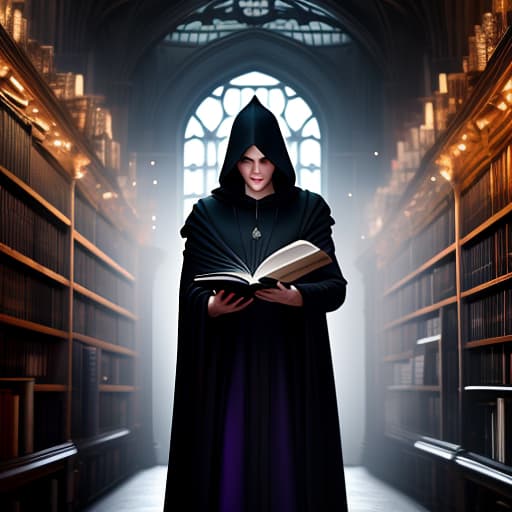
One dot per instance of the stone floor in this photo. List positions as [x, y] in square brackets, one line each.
[144, 493]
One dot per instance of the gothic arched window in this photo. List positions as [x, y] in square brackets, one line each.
[207, 132]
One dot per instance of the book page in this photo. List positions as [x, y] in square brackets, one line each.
[228, 276]
[292, 261]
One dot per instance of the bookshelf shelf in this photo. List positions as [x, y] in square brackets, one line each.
[104, 345]
[488, 341]
[32, 326]
[500, 389]
[504, 212]
[428, 264]
[34, 265]
[426, 389]
[420, 312]
[37, 197]
[487, 285]
[101, 255]
[104, 302]
[30, 466]
[50, 388]
[111, 388]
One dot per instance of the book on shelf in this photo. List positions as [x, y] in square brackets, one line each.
[287, 264]
[489, 316]
[90, 392]
[500, 431]
[17, 416]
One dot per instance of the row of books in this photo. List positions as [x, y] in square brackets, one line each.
[489, 316]
[31, 354]
[406, 336]
[412, 412]
[429, 242]
[17, 417]
[488, 366]
[99, 322]
[432, 286]
[31, 297]
[49, 182]
[15, 144]
[24, 227]
[95, 275]
[488, 257]
[22, 158]
[489, 194]
[102, 233]
[117, 369]
[420, 370]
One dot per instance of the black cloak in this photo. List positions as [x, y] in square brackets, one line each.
[255, 423]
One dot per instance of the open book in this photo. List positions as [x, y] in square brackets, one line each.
[286, 265]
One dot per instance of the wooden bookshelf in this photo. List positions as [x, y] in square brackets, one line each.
[68, 319]
[441, 290]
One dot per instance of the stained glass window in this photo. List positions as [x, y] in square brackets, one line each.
[207, 132]
[298, 19]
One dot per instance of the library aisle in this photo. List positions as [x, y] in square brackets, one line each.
[144, 492]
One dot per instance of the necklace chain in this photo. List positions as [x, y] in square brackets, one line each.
[256, 233]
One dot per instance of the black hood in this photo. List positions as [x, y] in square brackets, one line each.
[256, 125]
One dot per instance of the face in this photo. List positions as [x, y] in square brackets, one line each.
[256, 170]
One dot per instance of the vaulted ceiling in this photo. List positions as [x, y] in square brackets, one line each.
[120, 32]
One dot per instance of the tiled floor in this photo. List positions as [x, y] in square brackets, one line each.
[144, 493]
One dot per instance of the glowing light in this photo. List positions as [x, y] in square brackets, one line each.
[153, 218]
[134, 183]
[79, 174]
[57, 143]
[152, 163]
[155, 182]
[349, 194]
[502, 106]
[482, 123]
[153, 227]
[462, 146]
[376, 153]
[17, 85]
[445, 173]
[433, 178]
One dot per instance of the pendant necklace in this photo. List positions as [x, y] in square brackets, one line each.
[256, 233]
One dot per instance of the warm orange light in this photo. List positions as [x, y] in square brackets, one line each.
[17, 85]
[446, 174]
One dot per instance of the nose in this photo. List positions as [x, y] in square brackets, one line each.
[256, 168]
